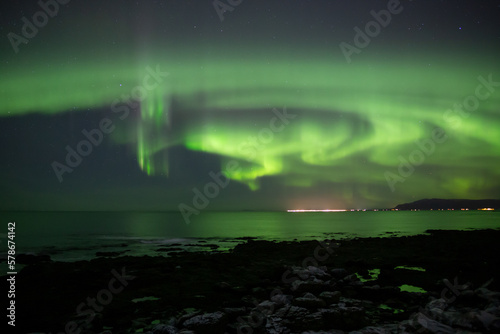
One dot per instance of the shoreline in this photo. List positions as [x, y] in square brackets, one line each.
[366, 278]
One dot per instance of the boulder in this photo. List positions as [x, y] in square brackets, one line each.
[209, 323]
[164, 329]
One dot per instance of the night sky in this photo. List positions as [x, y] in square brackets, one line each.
[268, 105]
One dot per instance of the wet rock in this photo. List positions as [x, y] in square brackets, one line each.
[332, 317]
[445, 316]
[309, 301]
[434, 326]
[274, 325]
[291, 311]
[281, 299]
[210, 323]
[311, 321]
[488, 320]
[164, 329]
[314, 286]
[487, 294]
[263, 310]
[330, 297]
[234, 312]
[185, 317]
[249, 301]
[383, 329]
[310, 273]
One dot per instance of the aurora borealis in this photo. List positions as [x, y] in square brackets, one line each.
[267, 89]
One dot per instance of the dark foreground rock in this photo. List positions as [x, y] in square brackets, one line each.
[445, 282]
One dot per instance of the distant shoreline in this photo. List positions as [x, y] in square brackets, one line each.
[422, 204]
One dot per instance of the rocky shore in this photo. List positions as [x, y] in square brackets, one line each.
[441, 282]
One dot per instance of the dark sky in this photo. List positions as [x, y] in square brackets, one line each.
[280, 105]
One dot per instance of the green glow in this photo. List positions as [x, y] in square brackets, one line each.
[373, 275]
[145, 299]
[411, 288]
[394, 310]
[353, 122]
[410, 268]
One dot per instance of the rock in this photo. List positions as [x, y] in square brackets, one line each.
[353, 317]
[209, 323]
[436, 306]
[311, 321]
[434, 326]
[266, 307]
[233, 312]
[314, 286]
[185, 317]
[164, 329]
[383, 329]
[281, 299]
[350, 278]
[330, 297]
[309, 301]
[319, 272]
[487, 294]
[488, 320]
[310, 272]
[339, 273]
[223, 286]
[249, 301]
[274, 325]
[291, 311]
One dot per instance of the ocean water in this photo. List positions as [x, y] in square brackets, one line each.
[71, 236]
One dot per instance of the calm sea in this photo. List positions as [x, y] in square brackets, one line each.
[70, 236]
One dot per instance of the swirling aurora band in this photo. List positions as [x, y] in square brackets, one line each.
[353, 121]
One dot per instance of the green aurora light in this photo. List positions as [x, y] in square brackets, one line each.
[352, 121]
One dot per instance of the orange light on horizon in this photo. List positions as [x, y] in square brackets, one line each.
[486, 209]
[323, 210]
